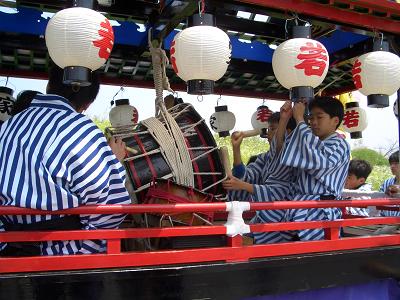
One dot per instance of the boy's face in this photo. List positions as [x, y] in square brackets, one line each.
[352, 182]
[272, 127]
[322, 125]
[395, 168]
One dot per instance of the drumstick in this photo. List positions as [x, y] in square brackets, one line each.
[131, 150]
[225, 160]
[250, 133]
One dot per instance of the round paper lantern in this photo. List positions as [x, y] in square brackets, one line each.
[222, 121]
[259, 120]
[79, 40]
[354, 120]
[201, 54]
[123, 114]
[6, 103]
[300, 64]
[377, 75]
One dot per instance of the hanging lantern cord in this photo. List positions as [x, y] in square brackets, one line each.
[319, 93]
[380, 35]
[296, 19]
[218, 99]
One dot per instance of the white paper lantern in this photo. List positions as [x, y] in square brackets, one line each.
[123, 114]
[377, 75]
[200, 53]
[300, 62]
[79, 37]
[222, 121]
[354, 120]
[6, 103]
[259, 119]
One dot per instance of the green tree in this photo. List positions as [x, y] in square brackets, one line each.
[373, 157]
[250, 146]
[102, 124]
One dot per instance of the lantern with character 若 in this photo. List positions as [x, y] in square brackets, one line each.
[300, 64]
[377, 74]
[79, 40]
[354, 120]
[259, 119]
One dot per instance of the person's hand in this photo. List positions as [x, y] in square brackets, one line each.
[298, 111]
[392, 190]
[236, 139]
[234, 184]
[286, 111]
[118, 148]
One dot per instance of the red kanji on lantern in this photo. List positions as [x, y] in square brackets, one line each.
[263, 114]
[351, 118]
[356, 70]
[135, 116]
[173, 59]
[313, 58]
[106, 42]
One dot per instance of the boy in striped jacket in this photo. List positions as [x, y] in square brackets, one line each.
[320, 158]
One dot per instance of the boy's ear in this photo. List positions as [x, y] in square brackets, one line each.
[337, 121]
[361, 180]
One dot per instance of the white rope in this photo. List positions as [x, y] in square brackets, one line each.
[182, 173]
[160, 61]
[170, 138]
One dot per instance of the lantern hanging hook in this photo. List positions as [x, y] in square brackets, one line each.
[121, 89]
[8, 82]
[378, 34]
[263, 101]
[201, 5]
[296, 19]
[219, 98]
[200, 98]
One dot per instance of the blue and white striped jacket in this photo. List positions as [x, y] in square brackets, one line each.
[53, 158]
[383, 188]
[321, 170]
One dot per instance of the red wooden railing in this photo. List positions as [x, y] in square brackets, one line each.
[233, 251]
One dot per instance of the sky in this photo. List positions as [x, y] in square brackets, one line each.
[381, 133]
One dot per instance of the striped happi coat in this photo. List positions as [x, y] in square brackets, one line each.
[321, 170]
[53, 158]
[383, 188]
[271, 181]
[360, 211]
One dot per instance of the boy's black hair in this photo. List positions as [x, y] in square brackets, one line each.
[394, 157]
[23, 101]
[330, 105]
[80, 96]
[274, 118]
[360, 168]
